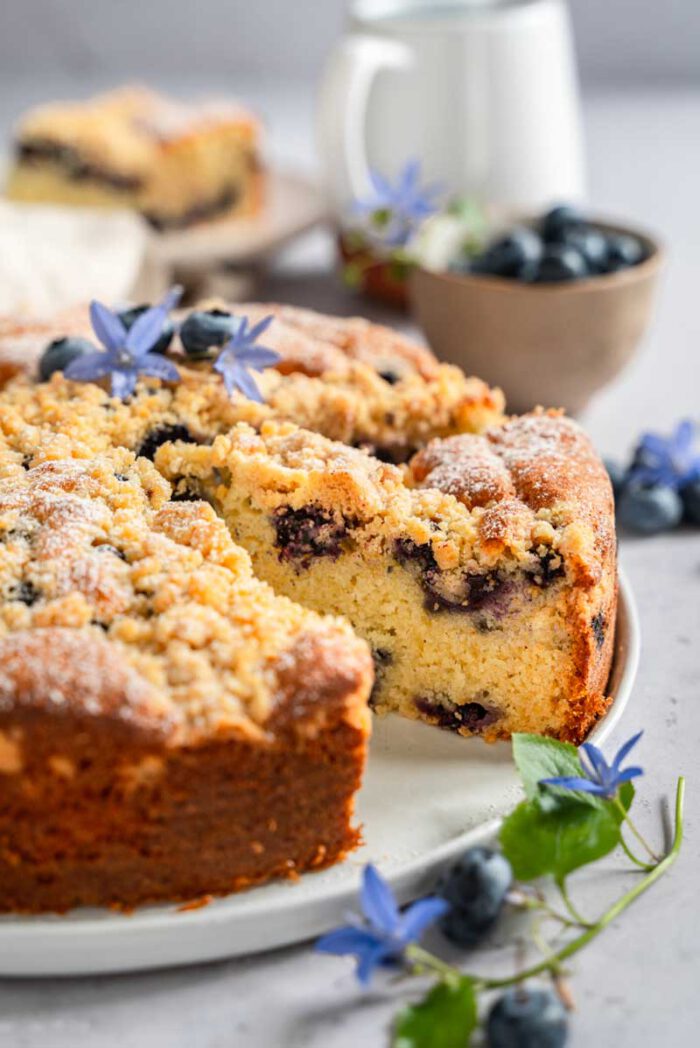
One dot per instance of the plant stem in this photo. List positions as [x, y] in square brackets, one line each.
[421, 958]
[614, 911]
[626, 818]
[561, 885]
[544, 947]
[630, 855]
[520, 900]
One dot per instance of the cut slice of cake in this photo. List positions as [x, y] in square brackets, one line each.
[169, 727]
[175, 163]
[483, 577]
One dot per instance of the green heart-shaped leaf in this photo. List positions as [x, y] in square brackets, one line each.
[538, 842]
[445, 1018]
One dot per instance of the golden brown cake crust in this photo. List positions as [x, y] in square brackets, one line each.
[168, 726]
[540, 465]
[336, 384]
[481, 571]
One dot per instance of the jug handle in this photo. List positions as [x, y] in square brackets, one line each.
[342, 111]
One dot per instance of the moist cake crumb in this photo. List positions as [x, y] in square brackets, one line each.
[196, 682]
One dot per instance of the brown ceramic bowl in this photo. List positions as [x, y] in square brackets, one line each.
[550, 344]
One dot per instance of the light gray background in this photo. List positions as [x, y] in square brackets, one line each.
[619, 40]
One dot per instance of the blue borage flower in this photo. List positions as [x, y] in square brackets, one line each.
[397, 210]
[240, 353]
[669, 461]
[127, 354]
[601, 778]
[379, 938]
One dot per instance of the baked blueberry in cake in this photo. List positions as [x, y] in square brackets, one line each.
[169, 727]
[484, 573]
[175, 163]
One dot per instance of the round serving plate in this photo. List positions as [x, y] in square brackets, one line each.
[292, 206]
[427, 796]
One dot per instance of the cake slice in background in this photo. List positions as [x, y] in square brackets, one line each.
[177, 164]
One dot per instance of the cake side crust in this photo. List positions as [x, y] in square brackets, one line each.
[168, 726]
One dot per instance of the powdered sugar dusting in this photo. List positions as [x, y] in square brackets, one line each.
[464, 466]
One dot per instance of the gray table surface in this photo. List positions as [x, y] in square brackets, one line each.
[637, 985]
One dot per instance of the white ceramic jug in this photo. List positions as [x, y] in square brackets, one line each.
[483, 92]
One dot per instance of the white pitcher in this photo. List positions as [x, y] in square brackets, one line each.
[483, 92]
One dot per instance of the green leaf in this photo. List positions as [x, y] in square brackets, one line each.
[626, 795]
[353, 274]
[381, 217]
[400, 267]
[445, 1018]
[537, 757]
[556, 842]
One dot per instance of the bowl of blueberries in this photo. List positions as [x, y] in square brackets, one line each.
[550, 310]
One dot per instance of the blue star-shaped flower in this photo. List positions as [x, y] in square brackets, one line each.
[669, 461]
[241, 353]
[601, 778]
[127, 353]
[379, 938]
[400, 208]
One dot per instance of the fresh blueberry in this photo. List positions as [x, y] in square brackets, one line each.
[205, 330]
[690, 494]
[527, 1019]
[591, 243]
[559, 221]
[560, 262]
[623, 251]
[59, 353]
[476, 888]
[510, 254]
[649, 510]
[129, 316]
[617, 474]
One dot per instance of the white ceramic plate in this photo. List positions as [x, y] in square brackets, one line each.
[426, 797]
[293, 204]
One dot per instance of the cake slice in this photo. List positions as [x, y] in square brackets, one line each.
[483, 576]
[175, 163]
[169, 727]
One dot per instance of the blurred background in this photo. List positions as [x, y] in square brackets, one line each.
[639, 70]
[620, 42]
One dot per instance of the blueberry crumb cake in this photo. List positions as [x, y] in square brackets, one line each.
[169, 726]
[175, 163]
[483, 575]
[176, 549]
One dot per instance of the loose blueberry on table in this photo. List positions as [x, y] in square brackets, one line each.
[566, 822]
[524, 1018]
[660, 486]
[561, 245]
[476, 889]
[649, 509]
